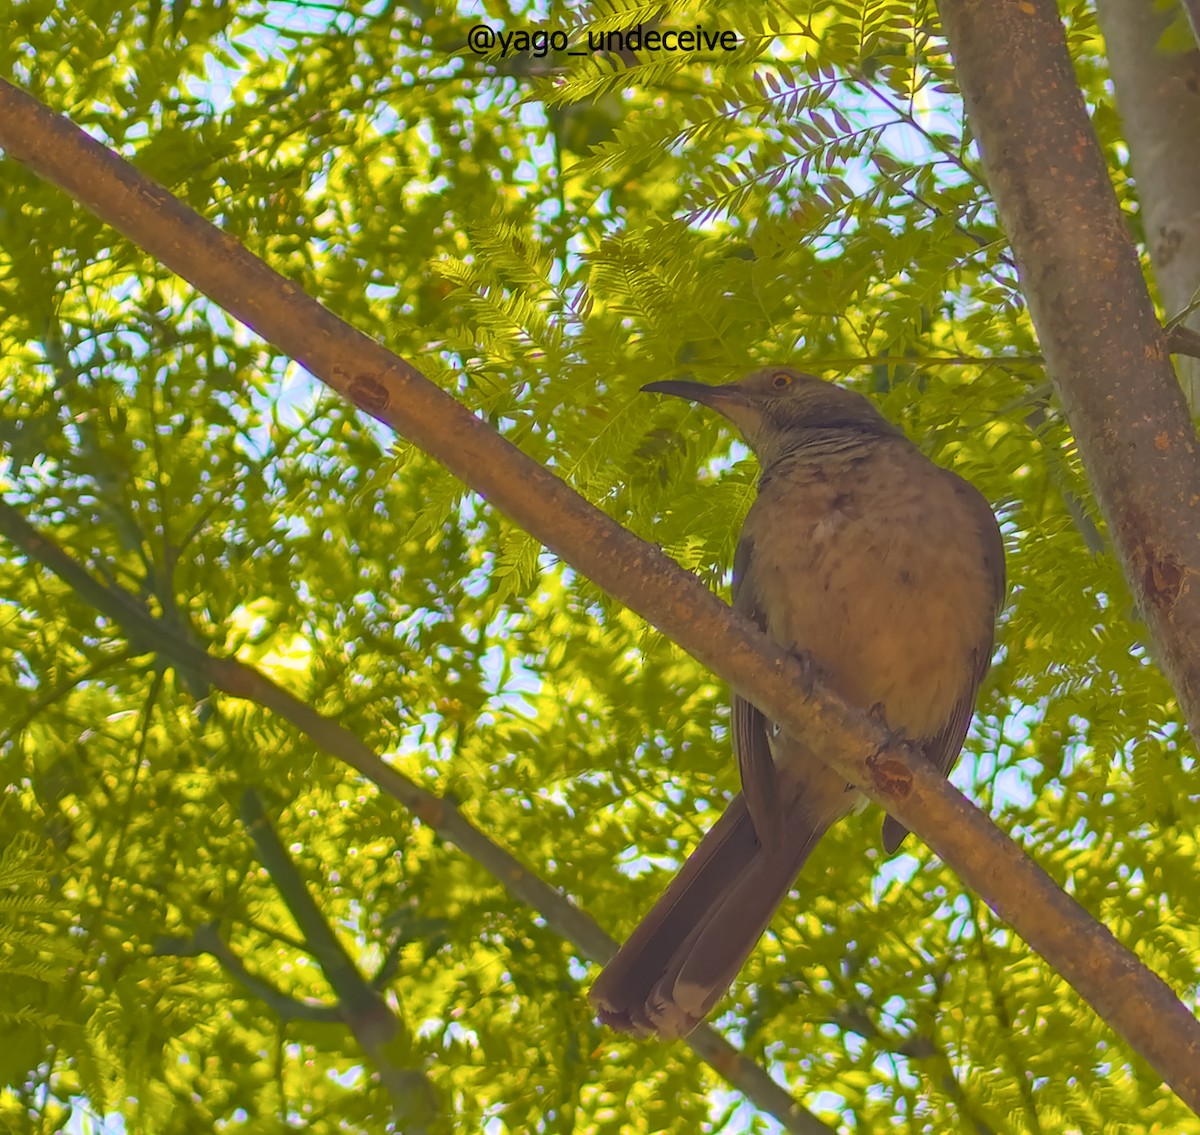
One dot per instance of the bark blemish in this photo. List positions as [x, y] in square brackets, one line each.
[890, 776]
[1161, 576]
[368, 393]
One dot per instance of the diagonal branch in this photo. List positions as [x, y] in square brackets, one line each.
[243, 681]
[207, 940]
[1133, 1000]
[359, 1004]
[1183, 340]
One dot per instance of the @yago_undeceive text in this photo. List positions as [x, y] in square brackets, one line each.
[483, 39]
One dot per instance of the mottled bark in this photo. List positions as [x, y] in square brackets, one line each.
[1158, 97]
[1100, 336]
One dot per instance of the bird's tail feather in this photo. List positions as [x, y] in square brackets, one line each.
[688, 949]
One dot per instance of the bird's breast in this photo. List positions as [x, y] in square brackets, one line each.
[877, 568]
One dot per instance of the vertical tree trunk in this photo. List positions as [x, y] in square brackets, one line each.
[1082, 279]
[1158, 96]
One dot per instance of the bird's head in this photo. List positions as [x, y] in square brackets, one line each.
[780, 410]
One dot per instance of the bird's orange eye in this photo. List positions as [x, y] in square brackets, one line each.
[780, 380]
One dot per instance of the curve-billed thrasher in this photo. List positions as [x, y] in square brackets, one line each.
[886, 573]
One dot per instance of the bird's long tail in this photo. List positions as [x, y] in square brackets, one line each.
[687, 950]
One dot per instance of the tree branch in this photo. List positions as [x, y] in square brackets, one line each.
[1183, 341]
[1192, 7]
[1133, 1000]
[359, 1005]
[207, 940]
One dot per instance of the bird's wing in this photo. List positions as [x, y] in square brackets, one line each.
[756, 766]
[944, 747]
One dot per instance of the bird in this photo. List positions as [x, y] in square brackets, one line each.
[884, 573]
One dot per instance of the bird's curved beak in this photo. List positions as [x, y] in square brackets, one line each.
[714, 396]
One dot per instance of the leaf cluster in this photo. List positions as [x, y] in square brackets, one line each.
[542, 241]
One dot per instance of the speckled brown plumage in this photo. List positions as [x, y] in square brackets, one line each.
[884, 570]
